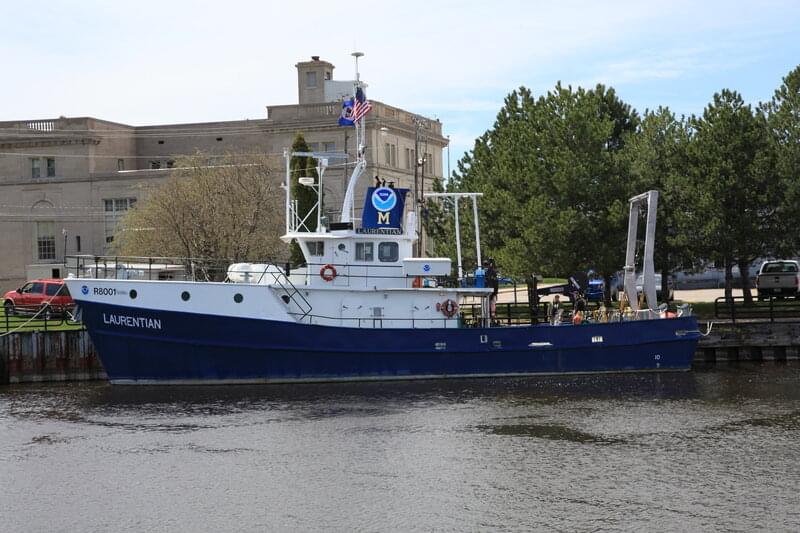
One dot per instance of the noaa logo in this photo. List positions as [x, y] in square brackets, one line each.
[426, 268]
[85, 289]
[384, 199]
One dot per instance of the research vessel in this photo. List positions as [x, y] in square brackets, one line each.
[363, 307]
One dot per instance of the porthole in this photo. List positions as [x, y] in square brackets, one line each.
[132, 293]
[185, 296]
[238, 298]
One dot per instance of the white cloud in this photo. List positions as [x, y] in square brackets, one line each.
[160, 62]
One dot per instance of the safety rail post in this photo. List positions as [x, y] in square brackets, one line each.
[508, 312]
[771, 315]
[733, 309]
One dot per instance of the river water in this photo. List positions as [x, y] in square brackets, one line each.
[710, 450]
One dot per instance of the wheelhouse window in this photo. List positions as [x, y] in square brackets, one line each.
[365, 251]
[316, 248]
[388, 252]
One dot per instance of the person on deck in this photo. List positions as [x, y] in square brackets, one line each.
[580, 308]
[493, 283]
[555, 310]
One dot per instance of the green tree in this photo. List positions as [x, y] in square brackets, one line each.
[306, 197]
[733, 185]
[783, 120]
[555, 192]
[656, 155]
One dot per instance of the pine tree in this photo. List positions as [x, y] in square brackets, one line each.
[306, 197]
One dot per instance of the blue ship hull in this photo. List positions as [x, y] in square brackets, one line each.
[150, 346]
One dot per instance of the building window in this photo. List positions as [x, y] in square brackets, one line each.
[316, 248]
[171, 164]
[313, 147]
[327, 74]
[364, 251]
[390, 154]
[155, 165]
[114, 208]
[120, 165]
[411, 157]
[429, 164]
[311, 80]
[36, 168]
[46, 241]
[388, 252]
[330, 147]
[51, 167]
[77, 243]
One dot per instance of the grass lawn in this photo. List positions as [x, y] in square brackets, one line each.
[553, 281]
[702, 310]
[25, 323]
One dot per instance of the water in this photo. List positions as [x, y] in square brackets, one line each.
[710, 450]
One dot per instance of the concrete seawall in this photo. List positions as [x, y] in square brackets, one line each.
[70, 356]
[36, 356]
[749, 341]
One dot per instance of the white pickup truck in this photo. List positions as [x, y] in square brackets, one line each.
[778, 278]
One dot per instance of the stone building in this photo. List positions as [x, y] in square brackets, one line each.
[65, 182]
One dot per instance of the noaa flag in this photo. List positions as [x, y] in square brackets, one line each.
[346, 118]
[383, 207]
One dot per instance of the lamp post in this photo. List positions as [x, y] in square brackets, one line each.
[419, 177]
[64, 233]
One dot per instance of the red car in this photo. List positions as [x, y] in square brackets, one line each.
[51, 294]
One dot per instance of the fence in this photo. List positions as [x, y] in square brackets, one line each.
[36, 318]
[737, 308]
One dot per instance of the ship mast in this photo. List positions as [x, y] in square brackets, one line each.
[361, 159]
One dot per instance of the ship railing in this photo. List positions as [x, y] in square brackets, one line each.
[520, 314]
[178, 269]
[147, 267]
[372, 271]
[381, 322]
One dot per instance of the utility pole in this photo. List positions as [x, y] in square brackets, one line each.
[419, 184]
[448, 157]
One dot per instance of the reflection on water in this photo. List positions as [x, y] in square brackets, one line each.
[548, 431]
[713, 449]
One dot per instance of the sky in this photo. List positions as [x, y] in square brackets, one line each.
[174, 61]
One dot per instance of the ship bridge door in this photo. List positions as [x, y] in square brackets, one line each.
[341, 259]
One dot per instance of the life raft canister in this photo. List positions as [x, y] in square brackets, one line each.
[448, 308]
[327, 272]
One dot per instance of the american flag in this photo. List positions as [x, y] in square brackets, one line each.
[361, 106]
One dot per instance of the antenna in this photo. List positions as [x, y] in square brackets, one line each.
[356, 55]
